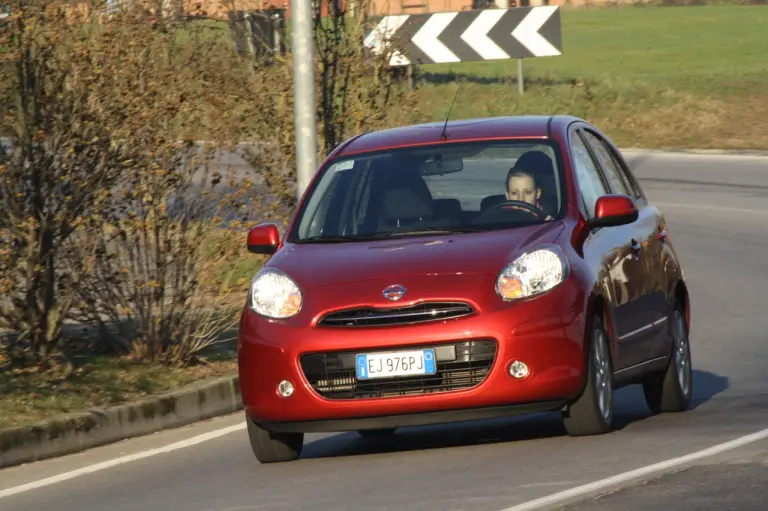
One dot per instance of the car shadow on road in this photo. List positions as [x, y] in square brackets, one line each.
[706, 386]
[631, 410]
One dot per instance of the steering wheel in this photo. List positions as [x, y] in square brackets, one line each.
[513, 206]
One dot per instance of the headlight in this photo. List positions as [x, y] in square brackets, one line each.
[274, 294]
[531, 274]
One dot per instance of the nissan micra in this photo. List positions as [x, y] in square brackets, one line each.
[460, 271]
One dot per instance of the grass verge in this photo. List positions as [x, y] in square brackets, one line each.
[657, 77]
[99, 381]
[650, 75]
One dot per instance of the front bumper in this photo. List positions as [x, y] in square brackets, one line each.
[545, 332]
[411, 419]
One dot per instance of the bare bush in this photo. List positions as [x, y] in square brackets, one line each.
[116, 218]
[147, 261]
[356, 87]
[60, 164]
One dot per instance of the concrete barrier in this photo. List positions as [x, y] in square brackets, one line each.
[75, 432]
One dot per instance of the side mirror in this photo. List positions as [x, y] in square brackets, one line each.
[263, 239]
[614, 210]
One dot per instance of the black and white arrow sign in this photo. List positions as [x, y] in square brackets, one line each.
[488, 34]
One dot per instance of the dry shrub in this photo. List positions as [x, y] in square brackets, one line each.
[115, 217]
[107, 213]
[62, 162]
[144, 260]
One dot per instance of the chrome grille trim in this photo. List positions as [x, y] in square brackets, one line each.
[390, 316]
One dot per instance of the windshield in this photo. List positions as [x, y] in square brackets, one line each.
[454, 187]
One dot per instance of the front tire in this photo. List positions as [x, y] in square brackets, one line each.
[270, 447]
[592, 412]
[671, 391]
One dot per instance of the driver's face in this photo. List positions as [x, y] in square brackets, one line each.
[523, 188]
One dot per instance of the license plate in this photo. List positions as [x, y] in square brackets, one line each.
[393, 364]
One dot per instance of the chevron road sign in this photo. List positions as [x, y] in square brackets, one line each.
[487, 34]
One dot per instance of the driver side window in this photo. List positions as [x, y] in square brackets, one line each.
[590, 182]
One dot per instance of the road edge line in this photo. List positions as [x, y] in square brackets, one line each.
[8, 492]
[71, 433]
[602, 486]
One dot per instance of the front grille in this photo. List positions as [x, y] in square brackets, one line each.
[419, 313]
[459, 365]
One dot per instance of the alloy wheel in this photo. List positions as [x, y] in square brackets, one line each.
[682, 354]
[603, 384]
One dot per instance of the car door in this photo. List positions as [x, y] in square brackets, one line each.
[617, 253]
[648, 316]
[654, 257]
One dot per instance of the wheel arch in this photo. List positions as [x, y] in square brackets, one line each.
[597, 305]
[682, 297]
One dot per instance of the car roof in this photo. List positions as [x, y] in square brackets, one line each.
[527, 126]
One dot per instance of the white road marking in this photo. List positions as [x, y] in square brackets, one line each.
[121, 460]
[530, 505]
[706, 207]
[559, 497]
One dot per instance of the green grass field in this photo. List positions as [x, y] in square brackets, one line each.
[692, 47]
[650, 76]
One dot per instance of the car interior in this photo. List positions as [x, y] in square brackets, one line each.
[398, 192]
[405, 199]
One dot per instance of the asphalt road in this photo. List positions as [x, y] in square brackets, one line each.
[718, 213]
[736, 481]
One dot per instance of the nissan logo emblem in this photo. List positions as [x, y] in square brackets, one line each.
[394, 292]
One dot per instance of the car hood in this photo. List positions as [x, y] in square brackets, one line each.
[322, 264]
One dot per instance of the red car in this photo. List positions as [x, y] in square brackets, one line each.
[459, 271]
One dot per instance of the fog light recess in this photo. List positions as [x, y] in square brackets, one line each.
[285, 388]
[518, 370]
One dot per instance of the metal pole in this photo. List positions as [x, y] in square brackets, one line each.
[520, 75]
[305, 117]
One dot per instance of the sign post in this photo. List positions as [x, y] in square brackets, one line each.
[305, 117]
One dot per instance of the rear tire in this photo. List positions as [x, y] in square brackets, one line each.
[270, 447]
[376, 433]
[671, 391]
[592, 412]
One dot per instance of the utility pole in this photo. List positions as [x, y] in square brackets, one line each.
[305, 116]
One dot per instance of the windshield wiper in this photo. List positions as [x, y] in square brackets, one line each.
[429, 230]
[340, 238]
[335, 238]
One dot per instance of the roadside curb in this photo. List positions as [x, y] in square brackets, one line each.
[75, 432]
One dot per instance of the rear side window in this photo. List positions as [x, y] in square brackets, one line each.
[621, 167]
[609, 165]
[590, 183]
